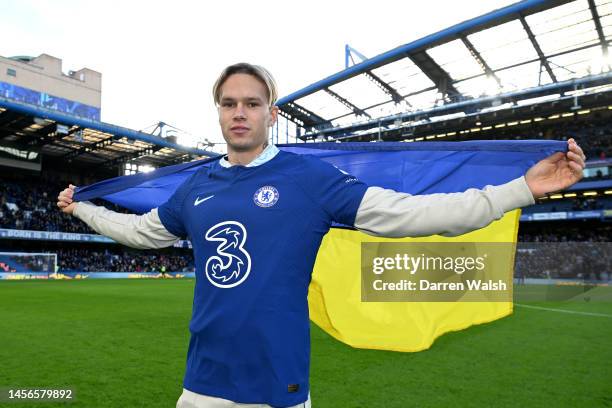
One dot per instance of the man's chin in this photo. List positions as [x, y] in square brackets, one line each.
[243, 147]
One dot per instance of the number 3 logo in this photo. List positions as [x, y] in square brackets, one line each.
[232, 264]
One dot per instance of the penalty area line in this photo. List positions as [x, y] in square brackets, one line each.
[550, 309]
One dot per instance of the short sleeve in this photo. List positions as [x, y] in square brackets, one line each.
[171, 214]
[338, 192]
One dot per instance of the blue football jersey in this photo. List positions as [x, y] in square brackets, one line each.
[255, 233]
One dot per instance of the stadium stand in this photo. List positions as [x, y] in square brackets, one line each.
[565, 231]
[594, 134]
[588, 261]
[579, 249]
[575, 204]
[117, 260]
[89, 257]
[30, 205]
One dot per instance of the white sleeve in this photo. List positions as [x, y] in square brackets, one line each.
[388, 213]
[137, 231]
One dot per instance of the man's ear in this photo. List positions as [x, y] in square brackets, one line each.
[273, 115]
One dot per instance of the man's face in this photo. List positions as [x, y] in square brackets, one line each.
[244, 114]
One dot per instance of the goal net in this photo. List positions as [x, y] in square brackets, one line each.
[28, 262]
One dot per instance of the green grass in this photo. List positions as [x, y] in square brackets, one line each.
[122, 343]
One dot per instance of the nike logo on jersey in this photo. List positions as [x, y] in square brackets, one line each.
[199, 201]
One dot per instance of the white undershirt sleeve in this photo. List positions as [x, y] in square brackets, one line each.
[136, 231]
[387, 213]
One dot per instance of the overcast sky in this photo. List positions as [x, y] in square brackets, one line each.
[159, 59]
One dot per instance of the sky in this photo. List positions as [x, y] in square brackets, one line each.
[159, 59]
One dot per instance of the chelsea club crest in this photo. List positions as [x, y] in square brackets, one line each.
[266, 196]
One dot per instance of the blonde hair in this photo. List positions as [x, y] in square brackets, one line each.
[257, 71]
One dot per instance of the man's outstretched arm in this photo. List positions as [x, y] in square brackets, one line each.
[391, 214]
[137, 231]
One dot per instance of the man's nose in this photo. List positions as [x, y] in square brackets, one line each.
[239, 112]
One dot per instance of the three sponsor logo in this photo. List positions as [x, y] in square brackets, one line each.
[231, 264]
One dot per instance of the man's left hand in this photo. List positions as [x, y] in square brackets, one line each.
[556, 172]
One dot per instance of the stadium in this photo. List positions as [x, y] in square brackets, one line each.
[84, 313]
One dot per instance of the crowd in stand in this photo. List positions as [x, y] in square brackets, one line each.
[568, 234]
[32, 206]
[574, 204]
[594, 138]
[588, 204]
[542, 253]
[80, 259]
[571, 252]
[589, 261]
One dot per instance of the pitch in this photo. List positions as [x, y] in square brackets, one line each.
[123, 343]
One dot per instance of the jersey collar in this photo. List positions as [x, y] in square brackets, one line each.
[265, 156]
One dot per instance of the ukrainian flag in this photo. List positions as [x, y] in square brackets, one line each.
[416, 168]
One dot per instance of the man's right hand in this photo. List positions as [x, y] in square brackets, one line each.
[64, 200]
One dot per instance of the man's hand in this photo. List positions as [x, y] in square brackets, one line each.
[556, 172]
[64, 200]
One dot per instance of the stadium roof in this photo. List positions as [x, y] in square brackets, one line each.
[533, 44]
[72, 138]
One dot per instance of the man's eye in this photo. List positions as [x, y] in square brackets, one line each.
[227, 104]
[253, 104]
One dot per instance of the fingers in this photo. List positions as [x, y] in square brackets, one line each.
[576, 166]
[573, 147]
[576, 157]
[65, 195]
[576, 170]
[63, 202]
[64, 199]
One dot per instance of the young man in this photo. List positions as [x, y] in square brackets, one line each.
[256, 219]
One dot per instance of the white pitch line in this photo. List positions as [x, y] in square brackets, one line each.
[563, 311]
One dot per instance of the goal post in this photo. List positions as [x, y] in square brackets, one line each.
[39, 263]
